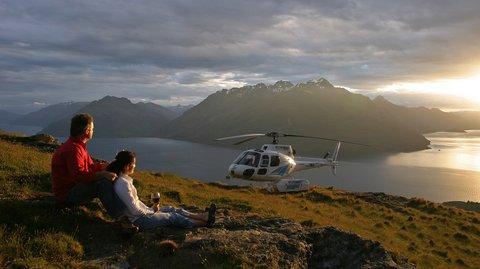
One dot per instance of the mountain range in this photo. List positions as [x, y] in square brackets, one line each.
[314, 108]
[470, 116]
[49, 114]
[118, 117]
[419, 99]
[179, 109]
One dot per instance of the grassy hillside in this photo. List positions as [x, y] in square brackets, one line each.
[35, 232]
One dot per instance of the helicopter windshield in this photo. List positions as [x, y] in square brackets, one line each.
[239, 157]
[250, 159]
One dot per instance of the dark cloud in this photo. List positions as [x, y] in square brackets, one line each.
[179, 51]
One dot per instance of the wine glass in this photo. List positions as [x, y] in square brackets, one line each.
[155, 197]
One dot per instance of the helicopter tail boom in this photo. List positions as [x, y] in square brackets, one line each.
[328, 160]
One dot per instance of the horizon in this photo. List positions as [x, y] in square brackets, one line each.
[392, 97]
[179, 53]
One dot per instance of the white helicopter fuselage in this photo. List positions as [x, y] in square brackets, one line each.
[261, 165]
[273, 162]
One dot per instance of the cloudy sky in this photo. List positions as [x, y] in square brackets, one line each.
[179, 52]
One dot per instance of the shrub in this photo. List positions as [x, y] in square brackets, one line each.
[57, 246]
[460, 262]
[174, 195]
[20, 249]
[308, 223]
[233, 204]
[315, 196]
[460, 237]
[443, 254]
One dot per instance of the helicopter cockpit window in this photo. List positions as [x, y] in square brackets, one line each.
[265, 160]
[250, 159]
[275, 161]
[240, 157]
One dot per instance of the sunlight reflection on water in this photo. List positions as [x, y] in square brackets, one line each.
[448, 150]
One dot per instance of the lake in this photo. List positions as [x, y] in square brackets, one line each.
[449, 170]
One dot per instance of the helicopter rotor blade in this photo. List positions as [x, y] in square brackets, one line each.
[245, 140]
[327, 139]
[239, 136]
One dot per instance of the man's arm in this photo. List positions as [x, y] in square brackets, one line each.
[99, 168]
[77, 167]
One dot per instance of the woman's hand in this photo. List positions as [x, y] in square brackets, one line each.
[155, 207]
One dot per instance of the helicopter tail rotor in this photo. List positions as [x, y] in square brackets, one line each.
[334, 158]
[335, 152]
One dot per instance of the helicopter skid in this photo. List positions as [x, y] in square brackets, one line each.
[289, 185]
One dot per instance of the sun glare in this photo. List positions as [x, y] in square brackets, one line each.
[468, 88]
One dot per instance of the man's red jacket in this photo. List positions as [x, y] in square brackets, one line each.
[71, 164]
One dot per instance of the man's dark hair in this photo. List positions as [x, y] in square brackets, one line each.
[79, 123]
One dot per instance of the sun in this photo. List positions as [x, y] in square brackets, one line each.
[467, 87]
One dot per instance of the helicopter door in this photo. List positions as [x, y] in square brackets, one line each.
[275, 161]
[263, 165]
[265, 161]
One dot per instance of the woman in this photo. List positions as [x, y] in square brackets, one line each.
[145, 217]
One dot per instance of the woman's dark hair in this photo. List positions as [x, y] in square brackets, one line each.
[122, 160]
[79, 123]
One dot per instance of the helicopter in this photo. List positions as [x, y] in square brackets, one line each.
[275, 163]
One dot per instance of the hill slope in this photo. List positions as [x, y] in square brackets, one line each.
[426, 120]
[8, 117]
[118, 117]
[254, 227]
[472, 116]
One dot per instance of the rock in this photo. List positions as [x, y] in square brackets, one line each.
[249, 248]
[111, 262]
[398, 203]
[253, 241]
[44, 138]
[334, 248]
[43, 142]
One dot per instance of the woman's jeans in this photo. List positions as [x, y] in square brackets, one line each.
[166, 216]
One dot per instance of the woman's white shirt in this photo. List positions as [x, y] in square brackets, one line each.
[128, 194]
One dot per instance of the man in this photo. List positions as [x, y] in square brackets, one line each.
[76, 178]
